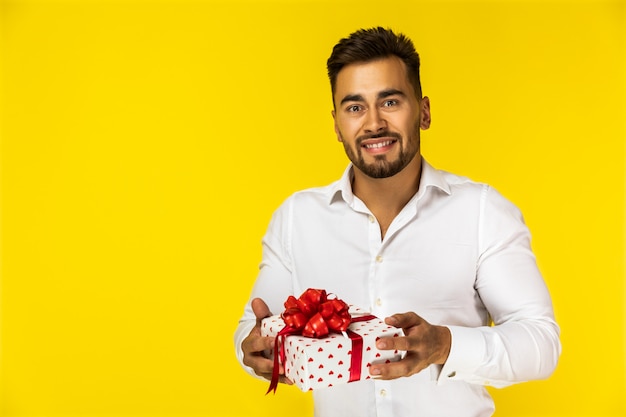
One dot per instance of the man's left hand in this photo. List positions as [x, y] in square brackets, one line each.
[424, 343]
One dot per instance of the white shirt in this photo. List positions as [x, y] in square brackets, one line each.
[458, 254]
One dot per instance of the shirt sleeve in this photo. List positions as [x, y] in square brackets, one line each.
[523, 343]
[274, 283]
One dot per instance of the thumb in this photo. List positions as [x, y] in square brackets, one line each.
[260, 309]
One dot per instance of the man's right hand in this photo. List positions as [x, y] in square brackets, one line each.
[254, 345]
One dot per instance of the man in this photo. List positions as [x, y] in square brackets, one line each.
[395, 235]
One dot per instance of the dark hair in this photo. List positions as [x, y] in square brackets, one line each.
[366, 45]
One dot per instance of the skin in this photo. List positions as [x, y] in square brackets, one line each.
[254, 345]
[378, 119]
[376, 105]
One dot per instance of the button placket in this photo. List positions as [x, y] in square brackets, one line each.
[383, 398]
[375, 246]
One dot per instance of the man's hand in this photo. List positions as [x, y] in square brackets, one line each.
[424, 343]
[254, 345]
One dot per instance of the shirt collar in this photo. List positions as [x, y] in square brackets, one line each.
[430, 178]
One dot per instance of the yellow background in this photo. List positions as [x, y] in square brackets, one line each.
[145, 145]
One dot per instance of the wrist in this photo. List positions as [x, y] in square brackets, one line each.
[445, 342]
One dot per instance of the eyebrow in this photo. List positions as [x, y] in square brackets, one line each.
[381, 95]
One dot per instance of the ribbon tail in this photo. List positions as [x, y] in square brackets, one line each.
[275, 371]
[279, 356]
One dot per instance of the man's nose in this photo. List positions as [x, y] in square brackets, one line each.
[374, 122]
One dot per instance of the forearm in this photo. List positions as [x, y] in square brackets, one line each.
[502, 355]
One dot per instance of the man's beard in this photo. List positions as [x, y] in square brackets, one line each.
[383, 168]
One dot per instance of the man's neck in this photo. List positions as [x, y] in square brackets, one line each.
[386, 197]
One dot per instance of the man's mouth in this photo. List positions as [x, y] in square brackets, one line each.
[378, 145]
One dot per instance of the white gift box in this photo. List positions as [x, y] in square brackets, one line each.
[314, 363]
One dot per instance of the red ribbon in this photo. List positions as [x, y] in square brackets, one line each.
[357, 349]
[314, 315]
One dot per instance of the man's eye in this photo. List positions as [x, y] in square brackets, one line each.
[389, 103]
[353, 109]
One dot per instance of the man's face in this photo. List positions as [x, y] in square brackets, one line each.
[378, 117]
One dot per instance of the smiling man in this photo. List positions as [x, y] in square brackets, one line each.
[445, 259]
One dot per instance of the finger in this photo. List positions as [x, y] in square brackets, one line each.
[406, 343]
[389, 343]
[282, 379]
[261, 365]
[260, 309]
[405, 367]
[264, 367]
[256, 343]
[404, 320]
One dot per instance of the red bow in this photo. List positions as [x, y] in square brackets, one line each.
[315, 315]
[311, 315]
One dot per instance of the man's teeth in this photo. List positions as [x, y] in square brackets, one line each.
[379, 144]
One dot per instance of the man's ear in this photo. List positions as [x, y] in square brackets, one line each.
[424, 113]
[334, 114]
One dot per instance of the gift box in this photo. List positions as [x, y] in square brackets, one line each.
[336, 358]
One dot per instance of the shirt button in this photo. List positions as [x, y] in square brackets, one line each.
[379, 259]
[372, 218]
[379, 302]
[383, 393]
